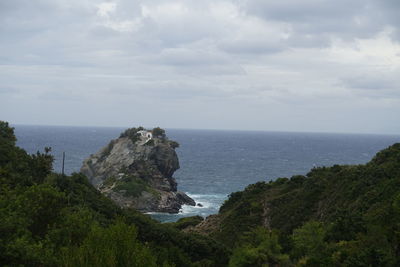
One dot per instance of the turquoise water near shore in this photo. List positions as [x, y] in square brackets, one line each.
[216, 163]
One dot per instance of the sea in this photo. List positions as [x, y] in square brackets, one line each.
[215, 163]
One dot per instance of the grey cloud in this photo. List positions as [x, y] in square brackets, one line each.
[252, 46]
[375, 85]
[64, 95]
[390, 15]
[8, 90]
[188, 57]
[175, 91]
[370, 83]
[292, 10]
[344, 19]
[297, 39]
[235, 58]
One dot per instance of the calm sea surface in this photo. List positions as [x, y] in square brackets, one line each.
[216, 163]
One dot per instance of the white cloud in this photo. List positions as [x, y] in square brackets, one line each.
[105, 9]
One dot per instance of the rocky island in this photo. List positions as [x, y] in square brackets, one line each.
[136, 171]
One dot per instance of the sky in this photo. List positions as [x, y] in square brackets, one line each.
[287, 65]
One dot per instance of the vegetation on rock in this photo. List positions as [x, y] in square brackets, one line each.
[133, 186]
[132, 133]
[158, 132]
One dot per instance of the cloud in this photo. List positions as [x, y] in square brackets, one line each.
[243, 60]
[8, 90]
[322, 19]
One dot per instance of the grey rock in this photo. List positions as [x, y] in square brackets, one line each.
[138, 174]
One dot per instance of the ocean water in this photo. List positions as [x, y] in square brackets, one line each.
[215, 163]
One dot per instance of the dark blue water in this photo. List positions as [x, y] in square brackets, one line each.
[216, 163]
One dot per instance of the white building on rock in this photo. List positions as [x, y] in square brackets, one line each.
[146, 134]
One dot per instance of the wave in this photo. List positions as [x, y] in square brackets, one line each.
[210, 204]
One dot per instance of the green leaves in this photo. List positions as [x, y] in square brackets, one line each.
[6, 133]
[340, 215]
[259, 247]
[116, 245]
[48, 219]
[158, 132]
[26, 214]
[309, 244]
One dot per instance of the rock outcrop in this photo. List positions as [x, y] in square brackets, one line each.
[136, 171]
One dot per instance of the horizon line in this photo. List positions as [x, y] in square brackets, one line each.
[208, 129]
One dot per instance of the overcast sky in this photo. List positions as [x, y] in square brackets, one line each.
[287, 65]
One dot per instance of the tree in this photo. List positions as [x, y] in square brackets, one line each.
[6, 132]
[158, 132]
[116, 245]
[259, 247]
[309, 243]
[7, 143]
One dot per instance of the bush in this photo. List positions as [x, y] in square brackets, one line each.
[259, 247]
[132, 186]
[174, 144]
[183, 223]
[150, 142]
[158, 132]
[116, 245]
[132, 133]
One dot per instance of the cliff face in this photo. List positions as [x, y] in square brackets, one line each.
[136, 171]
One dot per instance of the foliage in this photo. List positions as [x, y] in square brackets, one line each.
[109, 181]
[309, 243]
[47, 219]
[173, 144]
[150, 142]
[107, 150]
[158, 132]
[132, 186]
[116, 245]
[186, 222]
[16, 166]
[333, 216]
[259, 247]
[132, 133]
[339, 215]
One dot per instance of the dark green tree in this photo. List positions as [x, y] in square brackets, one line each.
[260, 247]
[158, 132]
[116, 245]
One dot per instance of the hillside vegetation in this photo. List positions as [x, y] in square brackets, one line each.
[333, 216]
[47, 219]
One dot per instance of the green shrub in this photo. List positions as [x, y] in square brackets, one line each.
[107, 150]
[132, 134]
[183, 223]
[132, 186]
[116, 245]
[158, 132]
[150, 142]
[174, 144]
